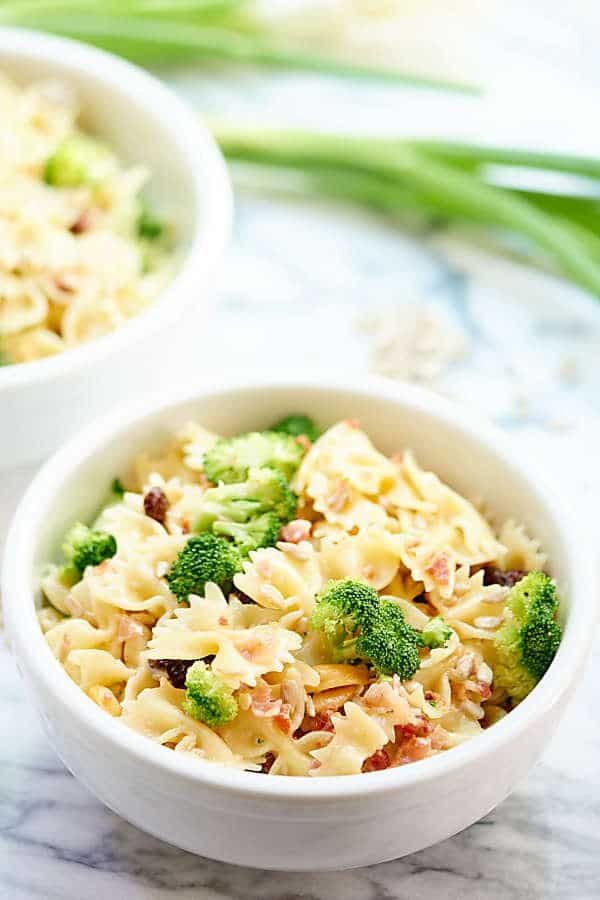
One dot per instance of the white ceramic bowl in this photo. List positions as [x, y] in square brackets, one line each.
[278, 822]
[43, 402]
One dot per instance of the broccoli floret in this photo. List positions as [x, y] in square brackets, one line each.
[263, 531]
[526, 644]
[117, 487]
[343, 610]
[266, 490]
[149, 228]
[297, 425]
[230, 459]
[359, 624]
[208, 698]
[78, 160]
[389, 643]
[85, 547]
[436, 633]
[204, 558]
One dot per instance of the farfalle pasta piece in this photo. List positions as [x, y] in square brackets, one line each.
[95, 667]
[77, 634]
[343, 474]
[519, 551]
[285, 579]
[372, 555]
[254, 737]
[241, 655]
[356, 736]
[388, 704]
[157, 714]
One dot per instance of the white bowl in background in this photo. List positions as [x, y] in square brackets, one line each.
[278, 822]
[43, 402]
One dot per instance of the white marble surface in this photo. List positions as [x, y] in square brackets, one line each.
[297, 276]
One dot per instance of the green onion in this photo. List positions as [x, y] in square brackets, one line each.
[395, 174]
[158, 31]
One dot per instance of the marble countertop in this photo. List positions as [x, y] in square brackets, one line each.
[298, 277]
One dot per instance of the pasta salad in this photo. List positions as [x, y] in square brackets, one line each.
[296, 603]
[80, 253]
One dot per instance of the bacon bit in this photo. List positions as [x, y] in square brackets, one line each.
[268, 763]
[352, 423]
[354, 530]
[223, 620]
[129, 628]
[321, 722]
[315, 764]
[421, 728]
[283, 719]
[375, 763]
[439, 738]
[440, 569]
[82, 223]
[262, 703]
[63, 283]
[429, 695]
[484, 690]
[156, 504]
[340, 497]
[304, 441]
[301, 551]
[246, 654]
[295, 531]
[411, 750]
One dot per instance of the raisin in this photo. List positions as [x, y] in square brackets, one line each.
[156, 504]
[240, 595]
[174, 669]
[505, 579]
[82, 223]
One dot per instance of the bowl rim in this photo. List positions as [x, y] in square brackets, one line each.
[33, 651]
[206, 166]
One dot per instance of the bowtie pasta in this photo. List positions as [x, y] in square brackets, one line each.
[296, 604]
[79, 252]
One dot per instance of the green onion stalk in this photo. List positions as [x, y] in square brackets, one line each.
[431, 178]
[153, 32]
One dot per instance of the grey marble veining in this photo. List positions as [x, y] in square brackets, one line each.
[296, 277]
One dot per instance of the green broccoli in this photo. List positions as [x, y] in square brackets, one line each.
[149, 228]
[526, 644]
[436, 633]
[208, 698]
[230, 459]
[342, 611]
[297, 425]
[389, 643]
[204, 558]
[117, 487]
[262, 531]
[265, 490]
[78, 160]
[85, 547]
